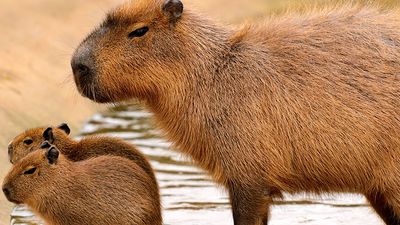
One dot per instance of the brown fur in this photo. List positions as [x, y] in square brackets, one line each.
[105, 190]
[87, 147]
[300, 103]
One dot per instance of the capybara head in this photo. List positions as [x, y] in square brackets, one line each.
[31, 140]
[30, 173]
[136, 48]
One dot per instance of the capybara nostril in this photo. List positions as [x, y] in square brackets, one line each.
[82, 70]
[6, 191]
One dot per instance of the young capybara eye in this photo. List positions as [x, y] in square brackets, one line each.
[304, 102]
[28, 141]
[30, 171]
[138, 32]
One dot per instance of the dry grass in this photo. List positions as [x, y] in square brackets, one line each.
[38, 38]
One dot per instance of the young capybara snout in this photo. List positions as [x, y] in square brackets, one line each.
[31, 174]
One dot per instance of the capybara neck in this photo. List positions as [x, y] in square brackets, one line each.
[201, 52]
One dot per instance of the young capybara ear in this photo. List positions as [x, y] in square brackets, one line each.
[173, 9]
[45, 145]
[52, 154]
[48, 135]
[10, 152]
[65, 128]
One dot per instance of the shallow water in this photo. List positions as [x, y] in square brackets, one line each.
[190, 198]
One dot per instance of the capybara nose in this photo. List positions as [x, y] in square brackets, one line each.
[81, 69]
[6, 191]
[82, 62]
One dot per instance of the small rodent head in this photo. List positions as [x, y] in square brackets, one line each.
[135, 48]
[31, 139]
[30, 173]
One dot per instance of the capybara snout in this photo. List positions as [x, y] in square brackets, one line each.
[83, 62]
[7, 192]
[29, 174]
[84, 67]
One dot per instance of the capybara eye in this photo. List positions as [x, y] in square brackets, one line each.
[30, 171]
[138, 33]
[28, 141]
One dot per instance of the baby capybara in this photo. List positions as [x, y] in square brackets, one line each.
[300, 103]
[87, 147]
[104, 190]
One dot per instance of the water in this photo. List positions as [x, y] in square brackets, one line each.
[189, 197]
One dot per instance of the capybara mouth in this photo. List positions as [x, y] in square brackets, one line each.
[14, 201]
[9, 197]
[92, 93]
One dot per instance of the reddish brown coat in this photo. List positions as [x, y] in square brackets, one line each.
[86, 148]
[300, 103]
[105, 190]
[76, 150]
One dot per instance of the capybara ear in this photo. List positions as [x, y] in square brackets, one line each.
[10, 152]
[64, 127]
[173, 9]
[45, 144]
[48, 135]
[52, 154]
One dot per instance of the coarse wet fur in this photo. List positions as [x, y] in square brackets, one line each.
[104, 190]
[300, 103]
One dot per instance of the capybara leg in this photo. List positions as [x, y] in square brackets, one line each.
[265, 219]
[249, 206]
[385, 208]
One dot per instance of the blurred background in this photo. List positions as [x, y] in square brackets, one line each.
[37, 40]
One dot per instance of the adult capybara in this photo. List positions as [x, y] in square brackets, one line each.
[104, 190]
[87, 147]
[301, 103]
